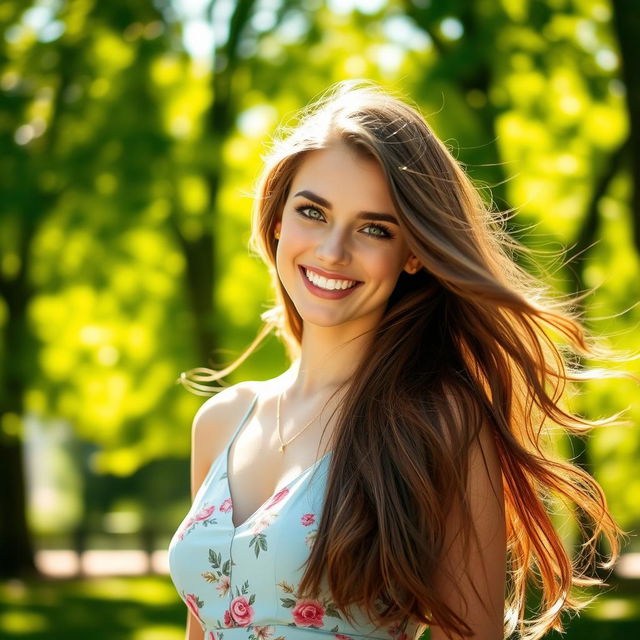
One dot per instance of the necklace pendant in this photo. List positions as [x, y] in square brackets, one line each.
[281, 449]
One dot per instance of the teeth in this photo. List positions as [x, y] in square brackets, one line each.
[330, 285]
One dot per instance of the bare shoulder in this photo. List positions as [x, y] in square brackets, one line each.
[216, 411]
[213, 425]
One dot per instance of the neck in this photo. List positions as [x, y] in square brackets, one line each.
[328, 357]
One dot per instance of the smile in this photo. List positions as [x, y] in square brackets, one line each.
[326, 283]
[327, 287]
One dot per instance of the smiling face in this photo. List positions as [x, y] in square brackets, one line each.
[340, 251]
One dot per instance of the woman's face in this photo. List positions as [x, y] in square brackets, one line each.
[339, 228]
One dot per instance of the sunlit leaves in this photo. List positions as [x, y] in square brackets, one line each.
[110, 124]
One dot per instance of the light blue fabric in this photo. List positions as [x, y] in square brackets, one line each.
[241, 582]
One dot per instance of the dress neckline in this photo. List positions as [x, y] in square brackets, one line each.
[277, 490]
[225, 456]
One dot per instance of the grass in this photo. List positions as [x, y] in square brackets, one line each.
[148, 608]
[139, 608]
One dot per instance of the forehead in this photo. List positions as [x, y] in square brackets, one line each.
[344, 177]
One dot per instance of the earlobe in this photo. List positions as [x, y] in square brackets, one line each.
[412, 265]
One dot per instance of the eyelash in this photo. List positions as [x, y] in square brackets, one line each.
[389, 234]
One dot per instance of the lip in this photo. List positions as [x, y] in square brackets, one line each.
[328, 274]
[325, 293]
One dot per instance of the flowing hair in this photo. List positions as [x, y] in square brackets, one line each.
[472, 339]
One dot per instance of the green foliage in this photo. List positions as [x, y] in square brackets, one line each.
[129, 168]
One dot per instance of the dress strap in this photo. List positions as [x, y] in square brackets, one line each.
[243, 420]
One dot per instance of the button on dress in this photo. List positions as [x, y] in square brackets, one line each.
[241, 582]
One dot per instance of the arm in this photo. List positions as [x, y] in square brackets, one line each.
[485, 567]
[194, 630]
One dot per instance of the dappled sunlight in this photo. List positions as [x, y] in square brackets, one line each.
[150, 591]
[615, 609]
[21, 622]
[157, 632]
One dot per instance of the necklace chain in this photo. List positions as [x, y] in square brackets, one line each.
[306, 426]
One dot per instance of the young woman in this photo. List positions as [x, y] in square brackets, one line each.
[422, 357]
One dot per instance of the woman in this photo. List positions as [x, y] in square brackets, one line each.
[424, 353]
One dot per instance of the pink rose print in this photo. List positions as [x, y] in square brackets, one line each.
[241, 611]
[228, 621]
[307, 519]
[212, 636]
[308, 613]
[204, 513]
[187, 524]
[194, 604]
[277, 498]
[226, 505]
[223, 586]
[341, 637]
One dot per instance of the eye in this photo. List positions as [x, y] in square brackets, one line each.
[308, 207]
[382, 231]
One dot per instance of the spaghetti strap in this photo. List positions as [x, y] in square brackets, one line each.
[243, 421]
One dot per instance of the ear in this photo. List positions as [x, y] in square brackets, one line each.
[412, 265]
[278, 226]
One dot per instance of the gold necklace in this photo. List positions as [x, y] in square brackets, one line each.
[306, 426]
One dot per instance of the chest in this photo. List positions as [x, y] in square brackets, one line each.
[257, 471]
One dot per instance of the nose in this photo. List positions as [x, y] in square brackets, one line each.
[332, 248]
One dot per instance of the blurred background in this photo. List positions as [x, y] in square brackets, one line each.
[131, 134]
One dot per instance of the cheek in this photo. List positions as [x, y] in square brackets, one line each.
[289, 248]
[385, 266]
[293, 242]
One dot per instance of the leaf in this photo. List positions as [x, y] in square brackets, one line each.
[288, 603]
[209, 577]
[263, 542]
[285, 586]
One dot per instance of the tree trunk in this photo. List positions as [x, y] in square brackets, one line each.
[16, 549]
[626, 20]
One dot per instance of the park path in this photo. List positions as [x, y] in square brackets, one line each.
[62, 563]
[66, 563]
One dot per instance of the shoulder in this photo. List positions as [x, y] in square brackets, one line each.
[484, 465]
[224, 406]
[214, 424]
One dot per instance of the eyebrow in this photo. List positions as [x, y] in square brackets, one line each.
[365, 215]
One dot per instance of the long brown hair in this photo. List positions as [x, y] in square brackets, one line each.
[472, 339]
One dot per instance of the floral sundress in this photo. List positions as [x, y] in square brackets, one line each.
[241, 582]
